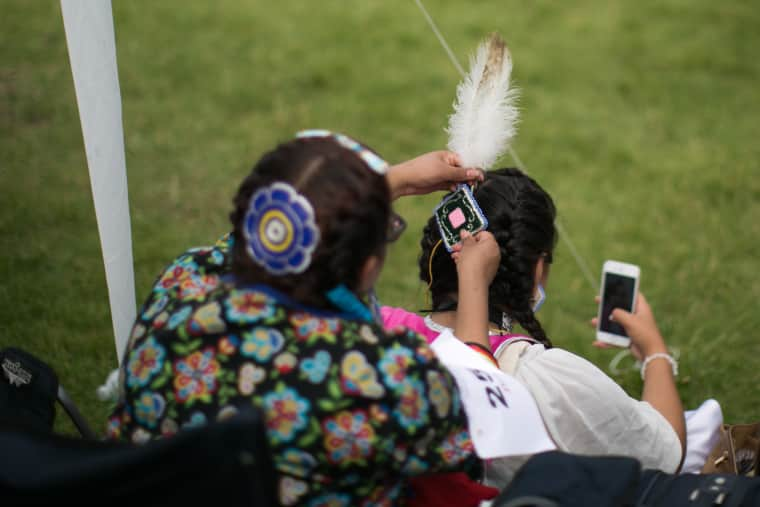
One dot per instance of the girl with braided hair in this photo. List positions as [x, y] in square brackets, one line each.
[521, 218]
[584, 411]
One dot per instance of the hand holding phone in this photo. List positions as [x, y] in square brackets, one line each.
[620, 285]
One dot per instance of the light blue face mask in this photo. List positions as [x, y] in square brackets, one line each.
[540, 299]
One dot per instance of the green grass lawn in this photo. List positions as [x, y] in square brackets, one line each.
[640, 118]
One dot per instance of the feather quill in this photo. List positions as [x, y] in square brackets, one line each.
[485, 113]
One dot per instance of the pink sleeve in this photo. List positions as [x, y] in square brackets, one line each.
[391, 316]
[398, 317]
[500, 339]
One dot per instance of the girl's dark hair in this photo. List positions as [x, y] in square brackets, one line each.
[352, 208]
[521, 218]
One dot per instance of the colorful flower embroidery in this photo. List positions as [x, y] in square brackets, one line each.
[226, 413]
[366, 334]
[280, 230]
[414, 466]
[285, 362]
[138, 331]
[359, 377]
[296, 462]
[197, 419]
[113, 429]
[145, 361]
[228, 345]
[424, 354]
[291, 490]
[195, 288]
[179, 317]
[161, 320]
[331, 500]
[200, 250]
[339, 397]
[248, 377]
[399, 453]
[195, 376]
[155, 307]
[179, 271]
[216, 258]
[246, 306]
[262, 343]
[189, 290]
[308, 327]
[394, 364]
[140, 436]
[315, 368]
[423, 442]
[286, 413]
[348, 437]
[209, 282]
[383, 496]
[149, 408]
[225, 243]
[206, 320]
[378, 413]
[457, 447]
[412, 409]
[168, 427]
[438, 393]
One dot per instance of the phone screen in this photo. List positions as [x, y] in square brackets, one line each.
[618, 293]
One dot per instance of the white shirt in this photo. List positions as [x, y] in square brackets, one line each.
[585, 412]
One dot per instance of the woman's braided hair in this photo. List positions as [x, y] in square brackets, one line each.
[521, 218]
[352, 209]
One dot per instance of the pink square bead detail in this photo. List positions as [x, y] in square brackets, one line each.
[456, 218]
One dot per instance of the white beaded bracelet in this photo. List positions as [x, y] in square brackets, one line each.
[659, 355]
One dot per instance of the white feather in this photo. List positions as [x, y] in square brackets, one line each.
[485, 114]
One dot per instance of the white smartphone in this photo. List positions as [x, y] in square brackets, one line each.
[620, 285]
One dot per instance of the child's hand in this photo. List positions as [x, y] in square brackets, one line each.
[477, 257]
[640, 327]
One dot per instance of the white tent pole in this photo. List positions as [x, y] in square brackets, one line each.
[92, 52]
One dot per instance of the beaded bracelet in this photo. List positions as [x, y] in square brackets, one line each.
[659, 355]
[483, 351]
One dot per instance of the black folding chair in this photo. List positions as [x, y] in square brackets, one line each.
[227, 463]
[29, 389]
[558, 479]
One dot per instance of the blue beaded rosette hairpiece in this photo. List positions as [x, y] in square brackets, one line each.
[280, 230]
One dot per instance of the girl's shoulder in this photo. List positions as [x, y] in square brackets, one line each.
[500, 342]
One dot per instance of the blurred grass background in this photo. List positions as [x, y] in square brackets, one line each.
[640, 118]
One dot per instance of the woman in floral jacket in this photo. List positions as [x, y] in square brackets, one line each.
[274, 316]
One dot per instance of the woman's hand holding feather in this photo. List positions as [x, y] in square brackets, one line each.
[437, 170]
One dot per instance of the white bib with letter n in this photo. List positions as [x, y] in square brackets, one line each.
[502, 415]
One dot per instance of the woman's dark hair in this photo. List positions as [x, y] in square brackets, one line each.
[521, 218]
[352, 208]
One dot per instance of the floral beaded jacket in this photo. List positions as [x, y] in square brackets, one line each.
[350, 409]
